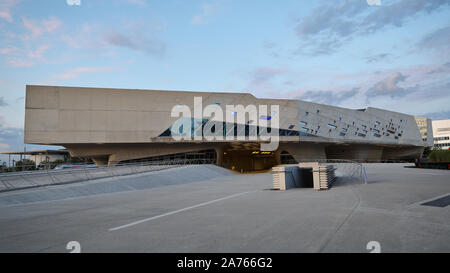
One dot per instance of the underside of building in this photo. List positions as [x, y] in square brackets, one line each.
[122, 126]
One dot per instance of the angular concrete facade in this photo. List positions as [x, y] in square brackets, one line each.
[115, 125]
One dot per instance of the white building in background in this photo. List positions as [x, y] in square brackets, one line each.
[441, 133]
[39, 157]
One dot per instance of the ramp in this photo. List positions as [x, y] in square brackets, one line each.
[143, 181]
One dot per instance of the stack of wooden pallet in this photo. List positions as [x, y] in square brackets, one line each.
[323, 175]
[326, 176]
[278, 178]
[285, 177]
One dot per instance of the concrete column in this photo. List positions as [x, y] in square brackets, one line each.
[101, 161]
[278, 156]
[219, 154]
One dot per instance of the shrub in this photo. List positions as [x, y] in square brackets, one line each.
[440, 156]
[26, 164]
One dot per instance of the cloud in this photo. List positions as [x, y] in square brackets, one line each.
[328, 96]
[9, 50]
[271, 48]
[389, 87]
[269, 44]
[3, 102]
[264, 74]
[437, 40]
[135, 35]
[38, 52]
[38, 28]
[17, 57]
[445, 68]
[207, 12]
[437, 115]
[11, 139]
[136, 40]
[377, 57]
[5, 9]
[76, 72]
[85, 37]
[18, 62]
[335, 23]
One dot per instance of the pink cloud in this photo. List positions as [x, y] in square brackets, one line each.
[17, 57]
[5, 9]
[41, 27]
[18, 62]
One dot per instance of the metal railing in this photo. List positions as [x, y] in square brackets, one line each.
[345, 169]
[81, 172]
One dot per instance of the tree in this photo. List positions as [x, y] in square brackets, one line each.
[26, 165]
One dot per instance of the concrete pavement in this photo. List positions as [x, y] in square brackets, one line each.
[237, 213]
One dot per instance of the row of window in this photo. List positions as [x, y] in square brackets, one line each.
[441, 138]
[445, 144]
[232, 129]
[443, 129]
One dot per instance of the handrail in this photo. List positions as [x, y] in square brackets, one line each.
[38, 178]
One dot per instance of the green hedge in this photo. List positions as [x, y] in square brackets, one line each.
[440, 156]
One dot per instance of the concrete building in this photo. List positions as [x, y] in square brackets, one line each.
[441, 133]
[119, 125]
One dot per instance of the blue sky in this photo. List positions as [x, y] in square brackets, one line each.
[346, 53]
